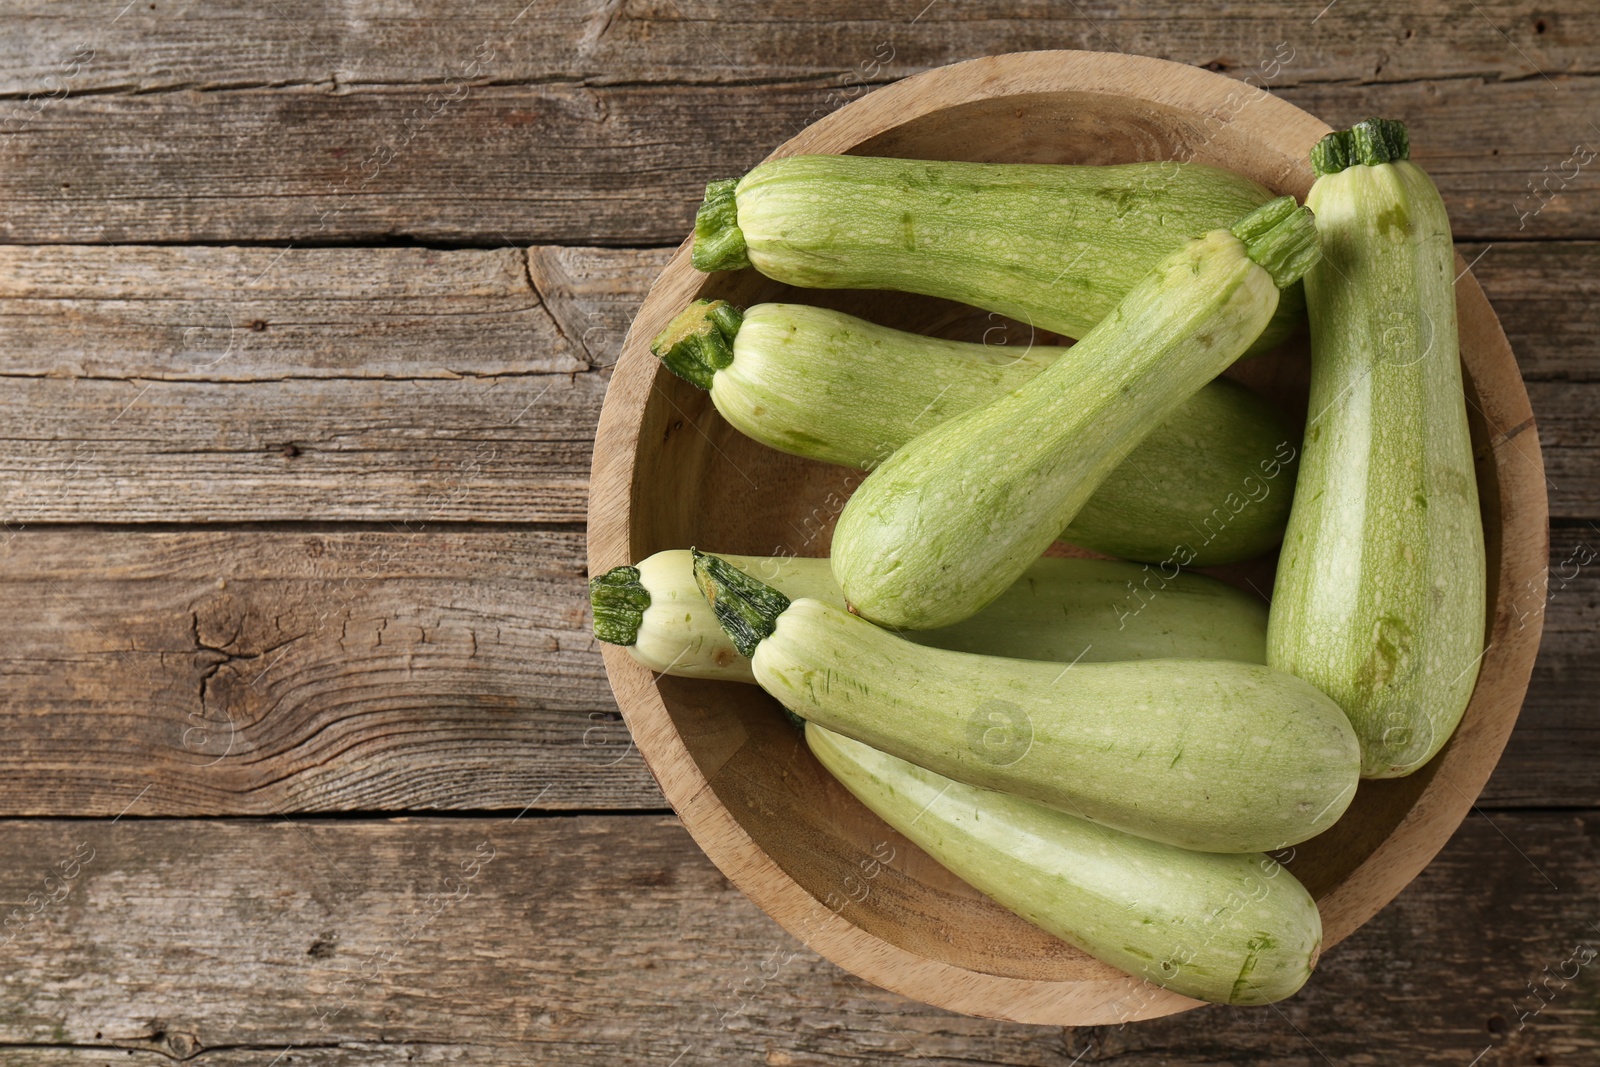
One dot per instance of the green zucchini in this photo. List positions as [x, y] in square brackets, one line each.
[1204, 754]
[950, 520]
[1052, 246]
[1229, 929]
[832, 387]
[1067, 610]
[1380, 594]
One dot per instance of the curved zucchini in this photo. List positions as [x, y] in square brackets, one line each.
[1236, 929]
[1065, 610]
[835, 388]
[1052, 246]
[1380, 589]
[954, 517]
[1202, 754]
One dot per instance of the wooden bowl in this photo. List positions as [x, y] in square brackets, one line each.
[669, 473]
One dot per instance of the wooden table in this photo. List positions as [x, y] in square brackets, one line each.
[307, 319]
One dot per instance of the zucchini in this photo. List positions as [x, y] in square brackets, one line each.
[1204, 754]
[1066, 610]
[950, 520]
[832, 387]
[1236, 929]
[1380, 593]
[1052, 246]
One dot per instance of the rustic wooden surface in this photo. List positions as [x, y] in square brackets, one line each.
[609, 939]
[305, 319]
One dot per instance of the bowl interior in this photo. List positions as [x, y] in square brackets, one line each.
[697, 481]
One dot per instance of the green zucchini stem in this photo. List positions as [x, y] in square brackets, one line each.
[1331, 154]
[1281, 237]
[747, 610]
[699, 341]
[619, 600]
[1367, 143]
[718, 241]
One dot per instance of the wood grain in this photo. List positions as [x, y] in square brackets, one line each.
[592, 293]
[612, 940]
[237, 315]
[1543, 293]
[1538, 768]
[696, 41]
[420, 451]
[312, 384]
[428, 665]
[569, 162]
[249, 384]
[436, 667]
[256, 672]
[341, 320]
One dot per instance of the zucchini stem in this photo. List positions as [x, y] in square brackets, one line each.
[746, 609]
[718, 241]
[1367, 143]
[699, 341]
[1281, 237]
[619, 600]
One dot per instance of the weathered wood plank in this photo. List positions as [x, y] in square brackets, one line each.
[421, 450]
[251, 672]
[593, 293]
[242, 314]
[363, 329]
[1544, 293]
[256, 672]
[611, 940]
[216, 384]
[200, 313]
[179, 46]
[573, 162]
[239, 384]
[270, 314]
[429, 666]
[1541, 764]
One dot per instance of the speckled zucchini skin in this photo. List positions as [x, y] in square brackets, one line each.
[1229, 929]
[1216, 477]
[1202, 754]
[1053, 246]
[1380, 598]
[950, 520]
[1064, 610]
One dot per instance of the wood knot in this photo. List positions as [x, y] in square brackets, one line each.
[181, 1045]
[178, 1044]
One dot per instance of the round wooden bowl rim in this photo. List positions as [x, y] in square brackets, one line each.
[1462, 768]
